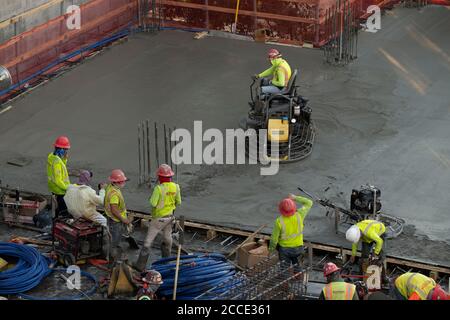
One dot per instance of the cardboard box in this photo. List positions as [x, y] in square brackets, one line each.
[247, 259]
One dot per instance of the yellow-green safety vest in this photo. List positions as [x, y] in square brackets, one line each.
[165, 198]
[109, 192]
[370, 225]
[291, 234]
[410, 282]
[57, 175]
[339, 290]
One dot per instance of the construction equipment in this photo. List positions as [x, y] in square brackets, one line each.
[75, 241]
[177, 267]
[287, 119]
[364, 204]
[122, 282]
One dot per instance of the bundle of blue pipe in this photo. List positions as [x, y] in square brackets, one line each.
[197, 274]
[30, 270]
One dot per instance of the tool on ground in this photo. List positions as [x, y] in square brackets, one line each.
[246, 240]
[177, 268]
[67, 281]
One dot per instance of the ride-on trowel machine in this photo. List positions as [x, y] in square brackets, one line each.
[287, 119]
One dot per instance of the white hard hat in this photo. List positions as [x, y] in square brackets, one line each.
[353, 234]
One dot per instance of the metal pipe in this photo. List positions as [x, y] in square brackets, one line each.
[139, 155]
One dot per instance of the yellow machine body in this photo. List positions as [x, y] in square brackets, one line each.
[278, 130]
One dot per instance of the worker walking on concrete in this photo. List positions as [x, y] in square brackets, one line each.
[287, 234]
[276, 78]
[416, 286]
[371, 232]
[336, 288]
[165, 198]
[116, 211]
[82, 200]
[57, 175]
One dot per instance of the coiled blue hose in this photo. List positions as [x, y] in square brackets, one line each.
[30, 270]
[197, 274]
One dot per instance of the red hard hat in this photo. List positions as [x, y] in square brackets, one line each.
[117, 175]
[439, 294]
[287, 207]
[62, 142]
[273, 53]
[329, 268]
[164, 170]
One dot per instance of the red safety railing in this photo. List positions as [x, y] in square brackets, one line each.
[30, 51]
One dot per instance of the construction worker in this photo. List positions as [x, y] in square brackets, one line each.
[370, 232]
[165, 198]
[57, 175]
[336, 288]
[416, 286]
[287, 234]
[82, 200]
[116, 211]
[280, 73]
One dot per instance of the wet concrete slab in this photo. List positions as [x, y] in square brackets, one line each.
[383, 120]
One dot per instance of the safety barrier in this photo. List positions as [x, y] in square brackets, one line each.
[29, 52]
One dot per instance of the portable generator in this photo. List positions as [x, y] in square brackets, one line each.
[76, 240]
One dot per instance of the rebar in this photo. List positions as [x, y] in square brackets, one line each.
[265, 281]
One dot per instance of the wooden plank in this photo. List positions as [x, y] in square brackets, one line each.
[16, 18]
[246, 240]
[265, 15]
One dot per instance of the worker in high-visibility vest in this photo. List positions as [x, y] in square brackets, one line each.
[287, 234]
[336, 288]
[57, 175]
[116, 211]
[370, 232]
[165, 198]
[416, 286]
[280, 73]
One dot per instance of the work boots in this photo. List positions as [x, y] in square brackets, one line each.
[141, 262]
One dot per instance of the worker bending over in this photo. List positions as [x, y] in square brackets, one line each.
[416, 286]
[165, 198]
[336, 288]
[280, 73]
[82, 200]
[371, 232]
[57, 175]
[116, 211]
[287, 234]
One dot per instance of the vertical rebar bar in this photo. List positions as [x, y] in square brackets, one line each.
[166, 160]
[156, 146]
[139, 155]
[170, 147]
[176, 158]
[149, 161]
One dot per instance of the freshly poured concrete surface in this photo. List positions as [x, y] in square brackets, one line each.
[382, 120]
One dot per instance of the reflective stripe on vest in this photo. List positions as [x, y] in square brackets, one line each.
[110, 191]
[342, 290]
[292, 236]
[163, 197]
[422, 294]
[368, 227]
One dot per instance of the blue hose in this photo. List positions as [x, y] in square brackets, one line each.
[30, 270]
[197, 274]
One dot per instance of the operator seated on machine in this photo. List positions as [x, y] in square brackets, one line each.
[276, 78]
